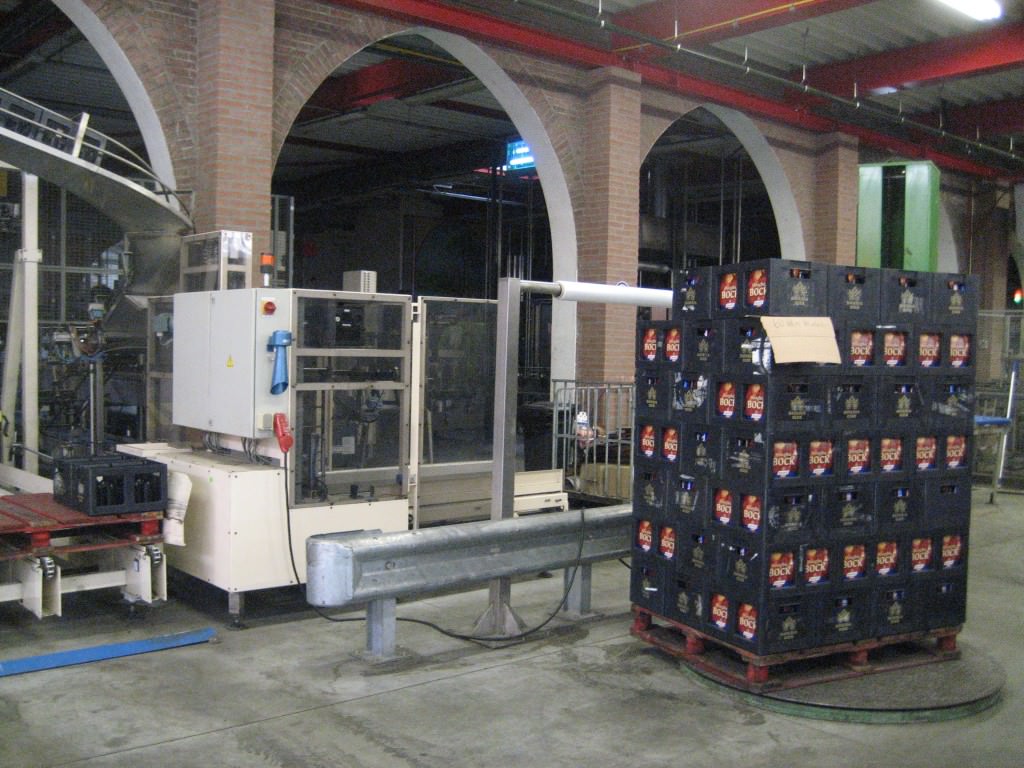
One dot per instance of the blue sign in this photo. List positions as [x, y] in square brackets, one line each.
[518, 155]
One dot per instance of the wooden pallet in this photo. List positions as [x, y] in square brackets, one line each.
[36, 525]
[757, 674]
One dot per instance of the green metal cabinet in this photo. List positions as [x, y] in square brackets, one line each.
[898, 216]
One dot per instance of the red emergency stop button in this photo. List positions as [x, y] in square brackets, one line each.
[269, 307]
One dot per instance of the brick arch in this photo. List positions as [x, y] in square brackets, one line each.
[305, 60]
[312, 40]
[152, 59]
[770, 168]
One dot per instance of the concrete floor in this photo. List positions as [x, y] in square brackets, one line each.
[292, 689]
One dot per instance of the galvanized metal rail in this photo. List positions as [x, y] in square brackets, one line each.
[345, 569]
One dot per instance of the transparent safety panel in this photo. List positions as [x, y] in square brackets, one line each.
[458, 389]
[349, 443]
[320, 369]
[332, 324]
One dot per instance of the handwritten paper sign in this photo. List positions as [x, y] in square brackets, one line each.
[802, 339]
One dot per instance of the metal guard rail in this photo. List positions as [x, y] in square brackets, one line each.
[346, 569]
[74, 137]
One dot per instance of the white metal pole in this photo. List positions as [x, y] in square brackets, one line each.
[28, 260]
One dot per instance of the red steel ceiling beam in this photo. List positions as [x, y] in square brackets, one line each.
[391, 79]
[991, 118]
[699, 23]
[978, 53]
[511, 35]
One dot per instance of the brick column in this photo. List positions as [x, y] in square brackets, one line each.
[235, 86]
[608, 227]
[835, 201]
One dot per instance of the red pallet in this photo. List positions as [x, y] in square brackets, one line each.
[756, 674]
[30, 522]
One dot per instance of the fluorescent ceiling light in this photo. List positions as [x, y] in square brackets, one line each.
[981, 10]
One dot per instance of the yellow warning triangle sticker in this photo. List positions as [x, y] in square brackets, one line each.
[231, 362]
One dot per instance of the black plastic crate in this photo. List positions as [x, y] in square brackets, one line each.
[736, 509]
[900, 505]
[772, 515]
[702, 345]
[854, 293]
[845, 615]
[647, 583]
[650, 486]
[956, 297]
[658, 440]
[746, 348]
[795, 401]
[696, 551]
[848, 511]
[900, 403]
[654, 392]
[690, 396]
[745, 568]
[791, 514]
[753, 458]
[951, 401]
[684, 600]
[688, 498]
[701, 449]
[774, 624]
[896, 610]
[691, 294]
[943, 601]
[947, 500]
[851, 401]
[770, 287]
[112, 486]
[650, 342]
[747, 351]
[68, 473]
[905, 295]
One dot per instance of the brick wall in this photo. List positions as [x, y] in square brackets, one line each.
[235, 96]
[608, 227]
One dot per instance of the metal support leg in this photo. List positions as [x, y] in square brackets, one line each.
[499, 620]
[577, 604]
[380, 628]
[236, 607]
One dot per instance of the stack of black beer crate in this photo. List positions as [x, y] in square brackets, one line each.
[783, 507]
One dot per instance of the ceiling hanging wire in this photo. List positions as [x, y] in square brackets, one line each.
[864, 108]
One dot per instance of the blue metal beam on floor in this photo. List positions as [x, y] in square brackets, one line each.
[104, 652]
